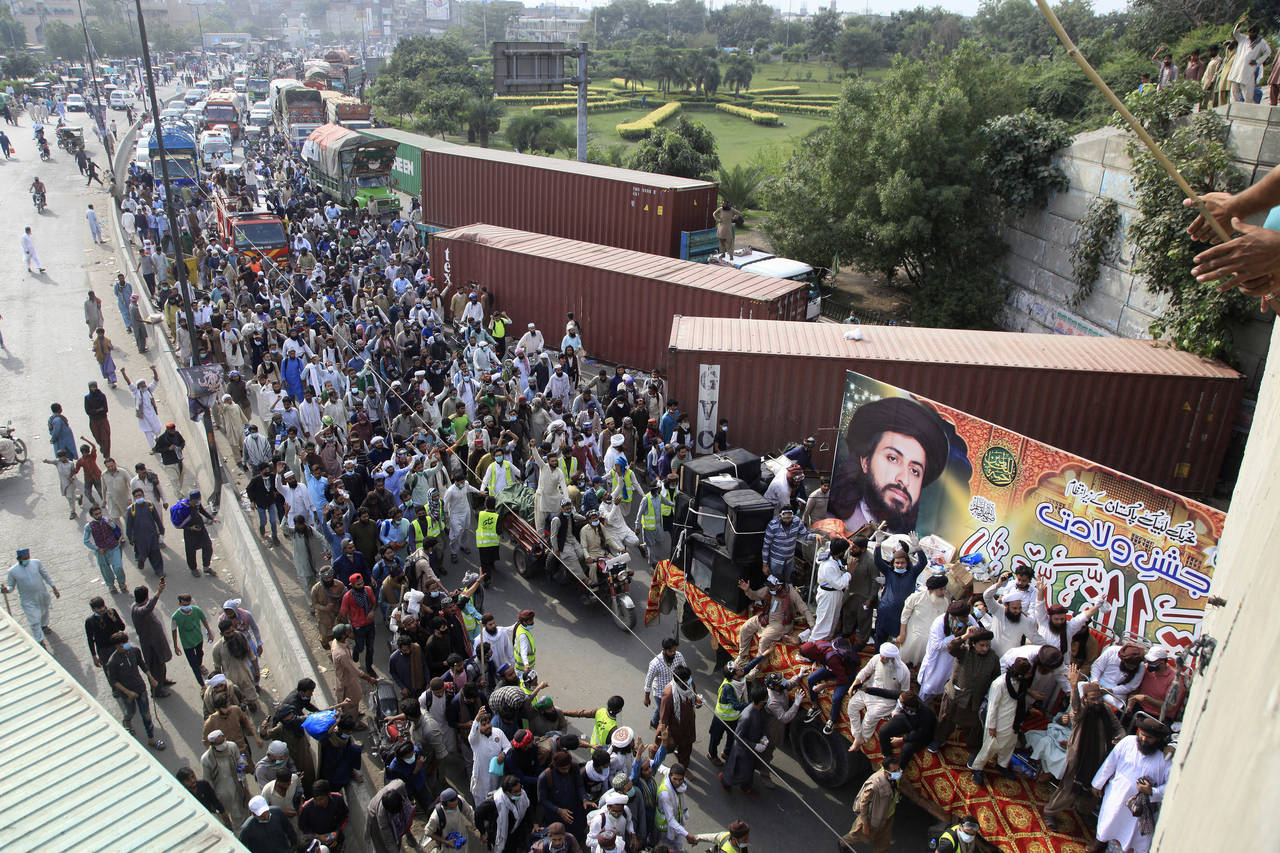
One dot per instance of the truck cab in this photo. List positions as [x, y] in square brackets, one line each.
[764, 263]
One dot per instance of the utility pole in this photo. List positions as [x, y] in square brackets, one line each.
[581, 80]
[180, 262]
[100, 113]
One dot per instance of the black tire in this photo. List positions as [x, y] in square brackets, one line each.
[523, 561]
[825, 757]
[626, 616]
[19, 450]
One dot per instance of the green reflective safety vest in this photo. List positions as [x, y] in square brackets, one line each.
[951, 834]
[486, 529]
[668, 502]
[603, 729]
[724, 710]
[499, 330]
[661, 816]
[649, 513]
[469, 622]
[629, 484]
[724, 843]
[533, 651]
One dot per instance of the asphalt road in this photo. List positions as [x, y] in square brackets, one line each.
[582, 653]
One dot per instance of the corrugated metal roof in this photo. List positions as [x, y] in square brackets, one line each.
[74, 780]
[941, 346]
[722, 279]
[611, 173]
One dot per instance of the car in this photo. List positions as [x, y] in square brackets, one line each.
[171, 113]
[240, 84]
[192, 96]
[203, 85]
[261, 105]
[75, 103]
[215, 148]
[121, 99]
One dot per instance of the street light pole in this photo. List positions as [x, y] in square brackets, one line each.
[100, 113]
[179, 261]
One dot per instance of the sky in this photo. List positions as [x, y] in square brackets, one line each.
[878, 7]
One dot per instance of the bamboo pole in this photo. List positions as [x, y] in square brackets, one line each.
[1134, 124]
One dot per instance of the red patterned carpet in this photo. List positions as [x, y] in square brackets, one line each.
[1008, 809]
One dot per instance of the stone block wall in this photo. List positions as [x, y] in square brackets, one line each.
[1097, 163]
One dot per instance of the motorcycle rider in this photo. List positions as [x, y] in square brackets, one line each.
[8, 452]
[37, 191]
[597, 544]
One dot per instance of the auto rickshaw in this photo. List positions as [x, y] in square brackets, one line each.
[71, 139]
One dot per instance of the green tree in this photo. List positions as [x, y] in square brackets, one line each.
[898, 183]
[741, 185]
[21, 64]
[539, 134]
[442, 111]
[1018, 160]
[738, 71]
[704, 72]
[824, 29]
[1198, 318]
[686, 149]
[484, 117]
[13, 33]
[740, 24]
[61, 41]
[859, 46]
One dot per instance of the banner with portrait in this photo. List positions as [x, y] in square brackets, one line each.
[1090, 532]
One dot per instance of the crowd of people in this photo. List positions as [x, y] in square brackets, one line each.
[378, 421]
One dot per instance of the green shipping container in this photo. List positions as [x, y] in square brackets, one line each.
[406, 172]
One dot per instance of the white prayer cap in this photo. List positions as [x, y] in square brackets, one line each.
[213, 735]
[258, 805]
[888, 650]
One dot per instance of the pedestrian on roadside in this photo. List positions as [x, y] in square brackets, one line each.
[99, 627]
[144, 530]
[187, 621]
[144, 405]
[115, 486]
[195, 534]
[152, 640]
[220, 766]
[29, 250]
[125, 670]
[267, 829]
[170, 445]
[61, 435]
[93, 313]
[204, 793]
[91, 171]
[95, 229]
[124, 293]
[138, 324]
[5, 144]
[95, 406]
[102, 536]
[87, 466]
[67, 483]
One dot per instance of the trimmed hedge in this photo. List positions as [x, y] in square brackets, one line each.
[620, 83]
[803, 99]
[775, 90]
[632, 130]
[592, 106]
[756, 116]
[783, 107]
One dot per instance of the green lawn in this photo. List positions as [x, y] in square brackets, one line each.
[823, 79]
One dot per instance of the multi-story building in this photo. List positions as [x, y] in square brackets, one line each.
[547, 23]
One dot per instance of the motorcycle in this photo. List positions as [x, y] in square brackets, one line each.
[13, 450]
[37, 198]
[614, 582]
[44, 149]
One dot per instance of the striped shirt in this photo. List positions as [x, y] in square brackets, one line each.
[659, 673]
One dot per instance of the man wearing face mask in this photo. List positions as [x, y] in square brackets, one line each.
[500, 474]
[910, 729]
[267, 830]
[938, 664]
[1157, 681]
[736, 840]
[875, 806]
[125, 670]
[899, 582]
[1009, 626]
[1136, 766]
[30, 578]
[220, 768]
[964, 837]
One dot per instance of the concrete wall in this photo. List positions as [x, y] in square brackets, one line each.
[1039, 261]
[1229, 753]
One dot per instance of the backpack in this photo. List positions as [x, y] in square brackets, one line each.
[179, 512]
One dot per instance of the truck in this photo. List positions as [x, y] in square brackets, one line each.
[464, 184]
[315, 74]
[764, 263]
[182, 155]
[352, 169]
[257, 233]
[298, 109]
[628, 293]
[345, 110]
[258, 88]
[220, 109]
[1156, 413]
[340, 63]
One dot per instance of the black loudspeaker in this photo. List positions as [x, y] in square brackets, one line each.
[700, 468]
[746, 465]
[749, 514]
[709, 567]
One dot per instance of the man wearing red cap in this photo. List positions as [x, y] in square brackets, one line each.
[359, 604]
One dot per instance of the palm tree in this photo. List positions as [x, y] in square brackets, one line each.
[540, 134]
[741, 185]
[484, 116]
[738, 72]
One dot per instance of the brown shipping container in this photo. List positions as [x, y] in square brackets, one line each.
[1148, 411]
[463, 184]
[623, 300]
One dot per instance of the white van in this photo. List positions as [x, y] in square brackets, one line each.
[121, 99]
[215, 148]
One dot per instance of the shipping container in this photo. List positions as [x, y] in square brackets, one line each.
[623, 300]
[1144, 409]
[462, 184]
[406, 171]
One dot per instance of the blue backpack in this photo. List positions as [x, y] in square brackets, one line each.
[179, 512]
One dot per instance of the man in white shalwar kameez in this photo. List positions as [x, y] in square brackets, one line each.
[487, 742]
[938, 663]
[885, 674]
[833, 580]
[921, 609]
[1133, 758]
[29, 578]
